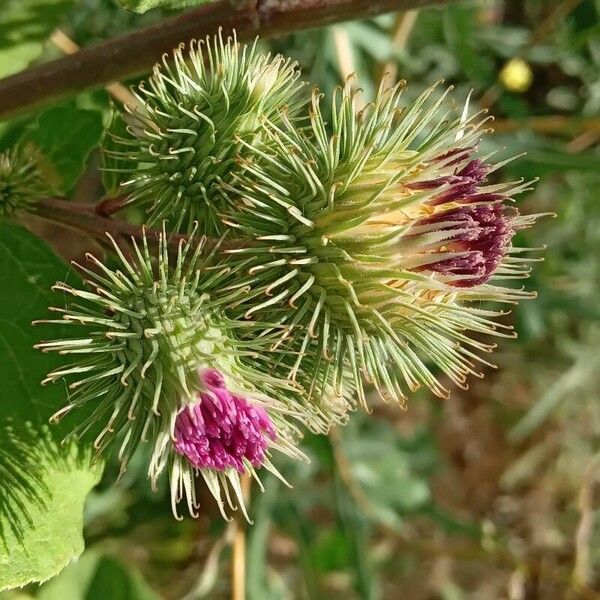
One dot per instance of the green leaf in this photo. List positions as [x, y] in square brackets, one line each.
[74, 581]
[12, 131]
[22, 481]
[461, 33]
[25, 25]
[331, 550]
[28, 269]
[43, 484]
[51, 536]
[99, 577]
[65, 136]
[142, 6]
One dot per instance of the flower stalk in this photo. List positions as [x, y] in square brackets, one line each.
[239, 555]
[86, 219]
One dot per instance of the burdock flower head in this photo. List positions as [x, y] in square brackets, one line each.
[21, 182]
[476, 239]
[376, 240]
[469, 227]
[222, 429]
[155, 359]
[186, 136]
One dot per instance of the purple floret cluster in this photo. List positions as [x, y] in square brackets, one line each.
[222, 430]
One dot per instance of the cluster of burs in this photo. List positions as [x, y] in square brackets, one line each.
[301, 255]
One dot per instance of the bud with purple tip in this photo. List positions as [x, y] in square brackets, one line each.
[221, 435]
[382, 229]
[152, 364]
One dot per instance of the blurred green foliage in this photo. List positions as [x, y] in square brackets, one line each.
[491, 494]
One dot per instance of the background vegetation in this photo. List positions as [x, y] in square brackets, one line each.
[494, 493]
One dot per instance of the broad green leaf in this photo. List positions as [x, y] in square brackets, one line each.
[43, 484]
[74, 581]
[22, 484]
[65, 136]
[41, 545]
[95, 576]
[28, 269]
[15, 595]
[25, 25]
[142, 6]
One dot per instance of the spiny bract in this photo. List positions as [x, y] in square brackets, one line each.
[198, 114]
[145, 334]
[376, 241]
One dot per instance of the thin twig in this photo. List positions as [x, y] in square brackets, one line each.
[405, 21]
[238, 558]
[134, 53]
[109, 206]
[83, 218]
[584, 141]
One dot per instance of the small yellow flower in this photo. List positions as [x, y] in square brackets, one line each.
[516, 75]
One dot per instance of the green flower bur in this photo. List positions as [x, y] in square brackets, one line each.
[376, 241]
[21, 182]
[199, 113]
[154, 357]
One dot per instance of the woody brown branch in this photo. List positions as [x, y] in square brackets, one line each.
[84, 219]
[135, 53]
